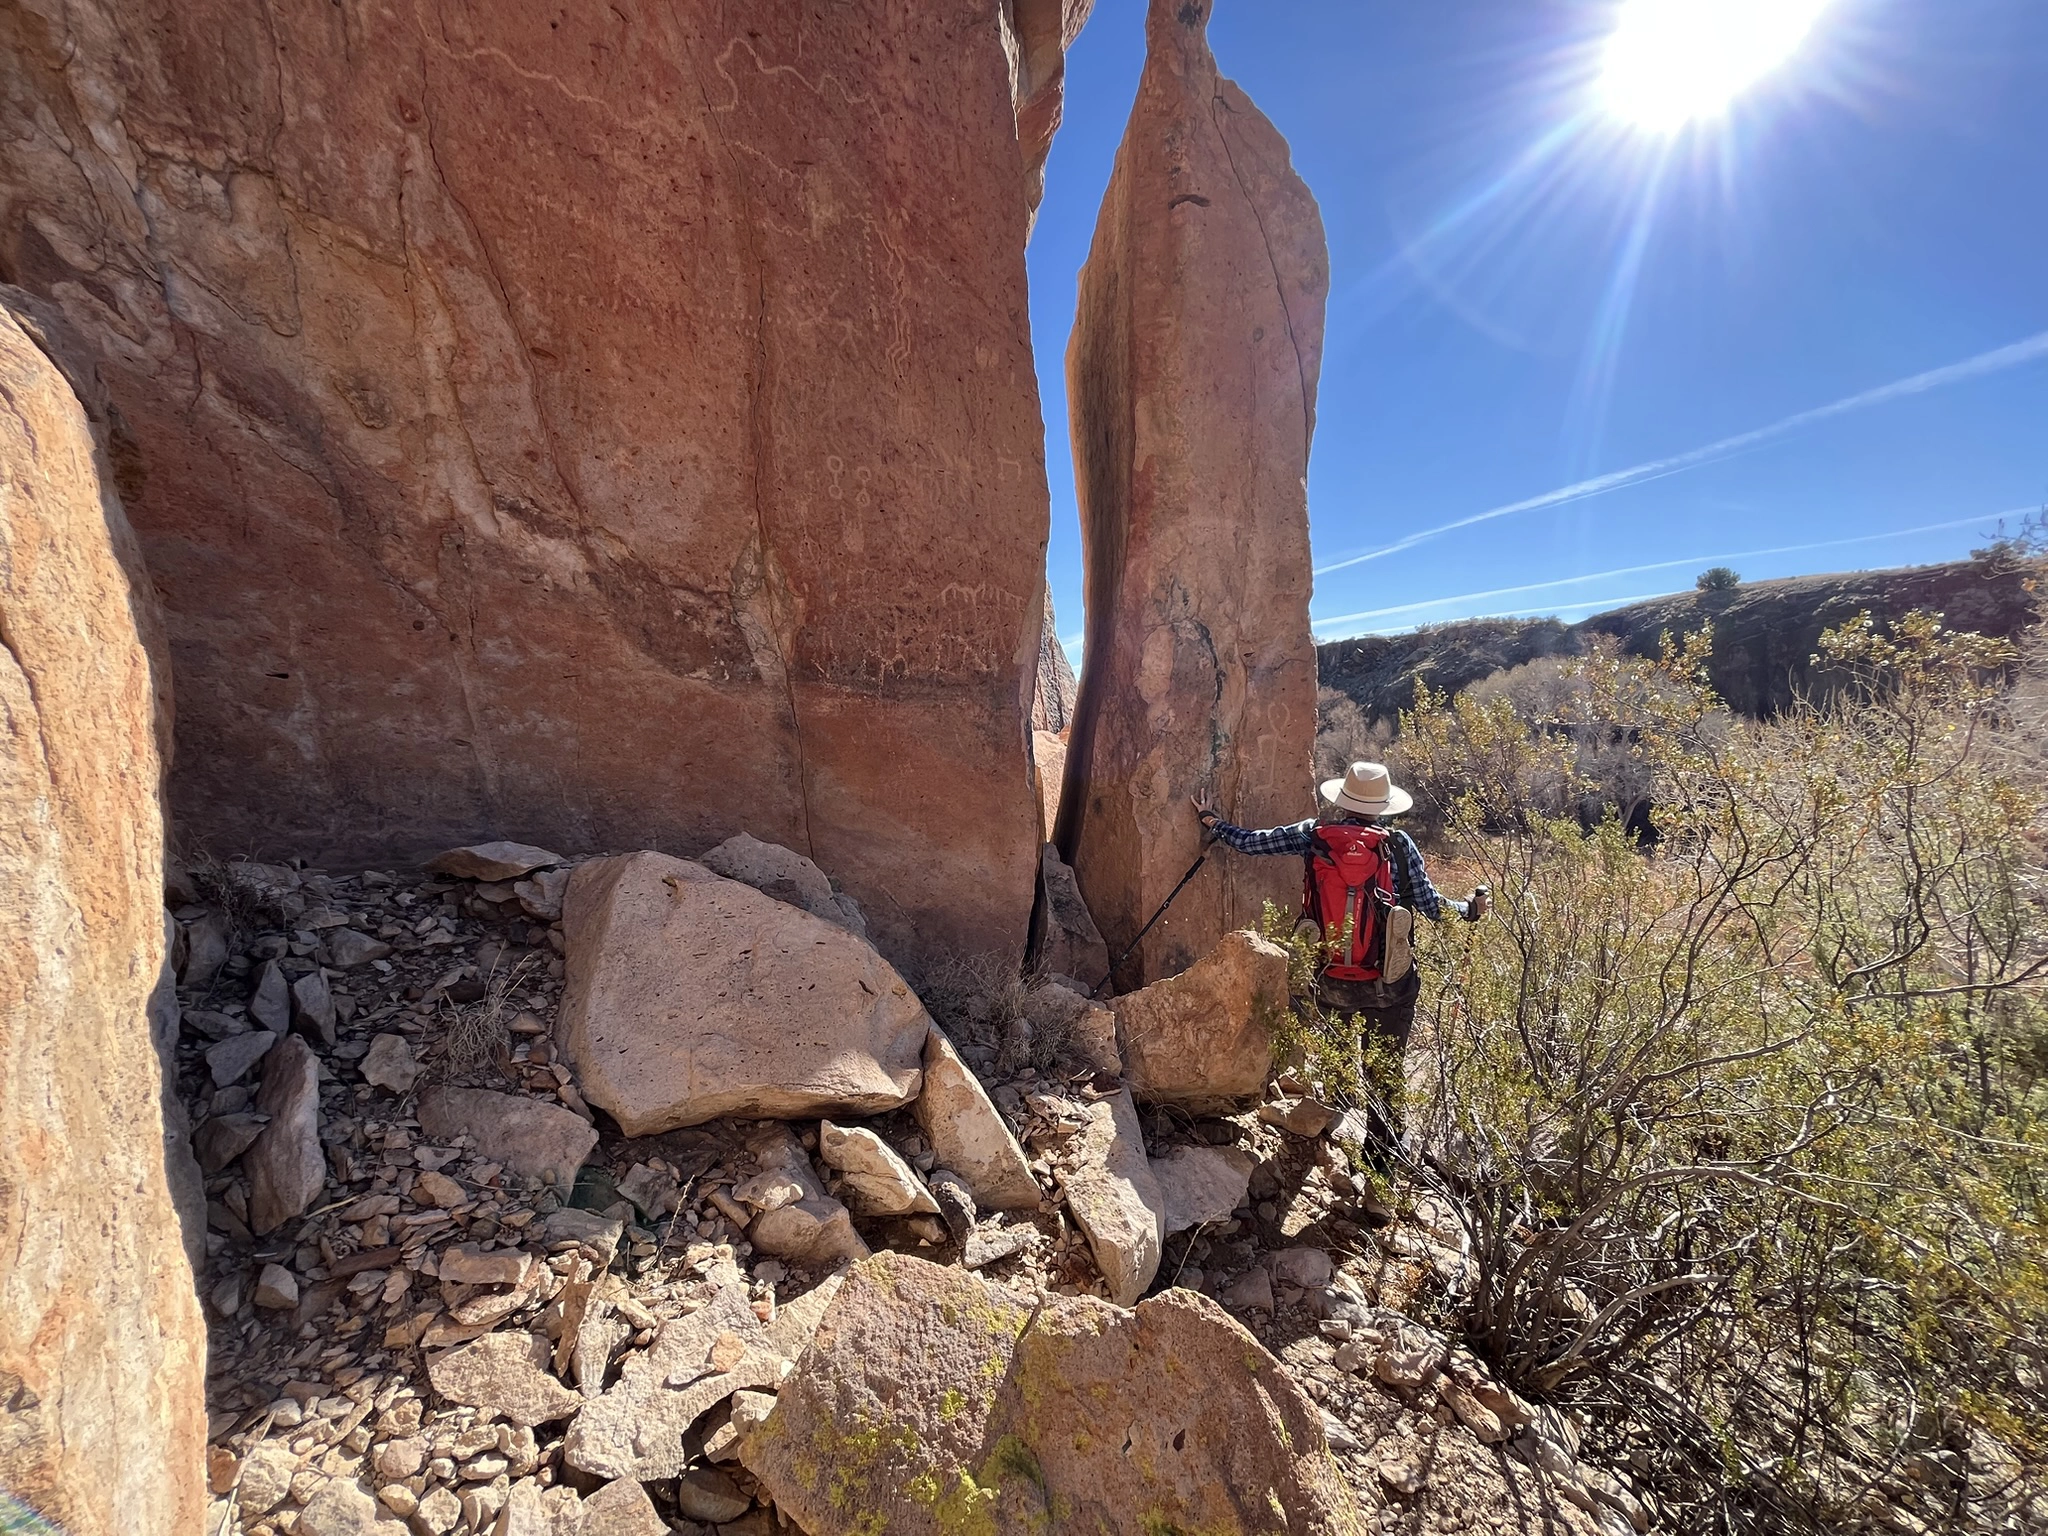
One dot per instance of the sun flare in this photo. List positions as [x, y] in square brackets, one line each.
[1671, 62]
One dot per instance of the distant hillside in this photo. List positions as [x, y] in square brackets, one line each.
[1764, 632]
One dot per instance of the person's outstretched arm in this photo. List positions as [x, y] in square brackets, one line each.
[1296, 839]
[1413, 880]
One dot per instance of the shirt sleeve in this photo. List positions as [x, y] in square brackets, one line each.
[1295, 839]
[1414, 881]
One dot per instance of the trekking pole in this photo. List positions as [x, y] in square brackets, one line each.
[1131, 949]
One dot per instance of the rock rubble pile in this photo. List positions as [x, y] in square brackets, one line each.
[450, 1296]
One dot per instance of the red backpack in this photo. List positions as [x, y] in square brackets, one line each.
[1348, 891]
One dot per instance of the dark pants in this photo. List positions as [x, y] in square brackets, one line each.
[1386, 1016]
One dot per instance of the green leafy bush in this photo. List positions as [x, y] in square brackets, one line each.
[1718, 578]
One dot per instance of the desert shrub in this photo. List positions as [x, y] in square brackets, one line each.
[1588, 715]
[1718, 578]
[1749, 1129]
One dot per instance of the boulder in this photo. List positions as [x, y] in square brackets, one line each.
[1191, 382]
[1115, 1199]
[540, 894]
[709, 1495]
[313, 1011]
[967, 1134]
[622, 1508]
[1204, 1039]
[529, 1136]
[270, 1004]
[224, 1138]
[389, 1064]
[777, 871]
[874, 1179]
[286, 1168]
[505, 1374]
[707, 490]
[491, 861]
[1065, 940]
[206, 951]
[102, 1346]
[228, 1061]
[341, 1508]
[1202, 1186]
[797, 1219]
[691, 997]
[929, 1396]
[696, 1362]
[531, 1510]
[346, 948]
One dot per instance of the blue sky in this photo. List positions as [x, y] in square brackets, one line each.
[1847, 276]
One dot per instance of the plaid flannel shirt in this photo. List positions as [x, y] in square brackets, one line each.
[1411, 881]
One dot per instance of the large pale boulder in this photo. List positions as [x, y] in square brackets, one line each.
[931, 1402]
[968, 1134]
[691, 996]
[1115, 1198]
[102, 1348]
[614, 425]
[1191, 381]
[1204, 1039]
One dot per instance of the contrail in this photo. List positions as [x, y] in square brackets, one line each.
[2030, 350]
[1660, 565]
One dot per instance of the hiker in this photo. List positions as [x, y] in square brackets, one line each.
[1363, 885]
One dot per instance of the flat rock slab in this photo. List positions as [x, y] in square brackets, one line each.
[691, 996]
[1204, 1039]
[1115, 1198]
[226, 1137]
[491, 861]
[636, 1429]
[927, 1393]
[229, 1061]
[507, 1374]
[968, 1136]
[532, 1138]
[874, 1179]
[1202, 1186]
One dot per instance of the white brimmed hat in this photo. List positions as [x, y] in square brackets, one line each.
[1369, 790]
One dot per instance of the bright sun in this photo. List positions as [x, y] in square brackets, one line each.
[1669, 62]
